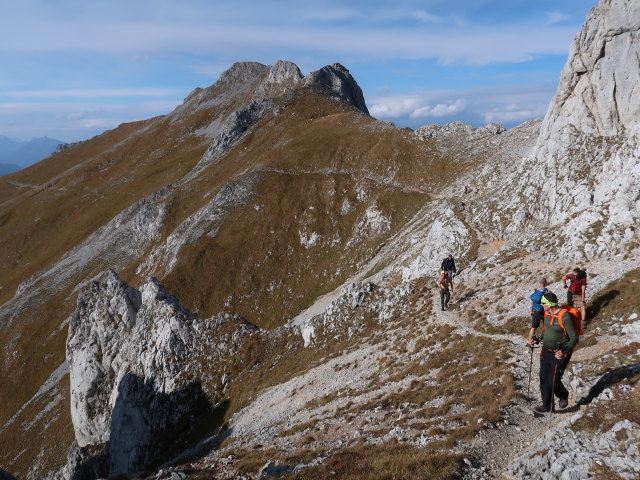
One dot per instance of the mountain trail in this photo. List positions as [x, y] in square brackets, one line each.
[495, 446]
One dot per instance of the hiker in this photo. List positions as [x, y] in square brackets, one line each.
[537, 312]
[449, 266]
[559, 337]
[576, 291]
[446, 289]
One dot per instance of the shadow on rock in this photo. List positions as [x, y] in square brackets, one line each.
[148, 427]
[608, 379]
[6, 475]
[468, 296]
[600, 302]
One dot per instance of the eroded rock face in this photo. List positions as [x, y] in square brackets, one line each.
[339, 82]
[583, 173]
[134, 372]
[116, 331]
[599, 90]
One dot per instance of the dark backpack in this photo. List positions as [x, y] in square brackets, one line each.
[581, 274]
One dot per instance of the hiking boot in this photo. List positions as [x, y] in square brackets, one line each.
[563, 403]
[540, 409]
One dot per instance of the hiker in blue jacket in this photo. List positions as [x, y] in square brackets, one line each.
[537, 312]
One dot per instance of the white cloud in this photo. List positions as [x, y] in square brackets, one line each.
[441, 109]
[507, 104]
[556, 17]
[475, 45]
[424, 16]
[331, 15]
[71, 121]
[415, 107]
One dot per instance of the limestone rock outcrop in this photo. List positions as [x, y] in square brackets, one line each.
[584, 170]
[337, 80]
[136, 386]
[599, 90]
[458, 129]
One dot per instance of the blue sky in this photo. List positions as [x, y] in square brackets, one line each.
[73, 68]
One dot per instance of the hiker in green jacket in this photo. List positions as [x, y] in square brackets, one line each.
[558, 340]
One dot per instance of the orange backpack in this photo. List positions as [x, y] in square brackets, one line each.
[576, 316]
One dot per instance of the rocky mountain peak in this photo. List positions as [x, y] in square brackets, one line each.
[243, 71]
[340, 83]
[284, 72]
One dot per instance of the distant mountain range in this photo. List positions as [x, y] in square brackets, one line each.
[16, 154]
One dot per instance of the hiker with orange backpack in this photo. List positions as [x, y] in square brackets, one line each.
[561, 332]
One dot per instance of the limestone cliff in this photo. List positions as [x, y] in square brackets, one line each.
[584, 170]
[136, 385]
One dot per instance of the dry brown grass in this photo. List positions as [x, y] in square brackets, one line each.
[602, 472]
[483, 393]
[241, 264]
[388, 461]
[384, 462]
[516, 326]
[81, 189]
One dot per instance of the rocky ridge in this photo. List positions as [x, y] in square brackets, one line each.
[133, 371]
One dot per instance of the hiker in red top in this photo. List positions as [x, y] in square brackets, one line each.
[576, 291]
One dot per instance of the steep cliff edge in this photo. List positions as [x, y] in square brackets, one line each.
[138, 395]
[585, 168]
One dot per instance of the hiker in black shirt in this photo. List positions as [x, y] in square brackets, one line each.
[449, 266]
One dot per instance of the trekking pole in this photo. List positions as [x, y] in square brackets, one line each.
[530, 368]
[553, 385]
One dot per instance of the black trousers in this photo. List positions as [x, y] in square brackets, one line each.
[548, 366]
[445, 296]
[537, 318]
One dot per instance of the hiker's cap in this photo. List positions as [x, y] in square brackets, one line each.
[545, 301]
[441, 271]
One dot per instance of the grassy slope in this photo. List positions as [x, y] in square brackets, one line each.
[66, 198]
[313, 159]
[78, 190]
